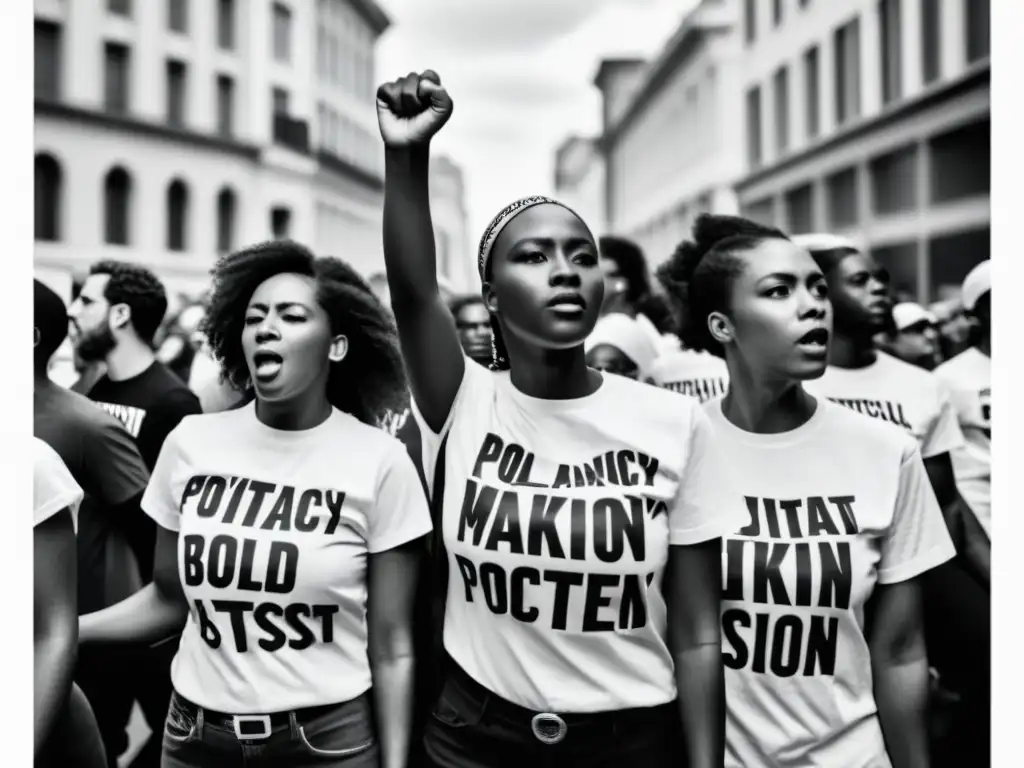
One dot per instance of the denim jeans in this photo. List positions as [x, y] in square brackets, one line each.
[339, 736]
[473, 728]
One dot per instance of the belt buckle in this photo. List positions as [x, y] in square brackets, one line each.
[549, 727]
[242, 720]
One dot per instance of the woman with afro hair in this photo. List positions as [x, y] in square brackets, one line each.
[822, 631]
[288, 531]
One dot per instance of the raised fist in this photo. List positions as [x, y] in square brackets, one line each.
[412, 109]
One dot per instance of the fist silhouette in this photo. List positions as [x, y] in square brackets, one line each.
[412, 109]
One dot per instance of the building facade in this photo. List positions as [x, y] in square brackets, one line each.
[456, 263]
[672, 133]
[168, 132]
[871, 118]
[580, 180]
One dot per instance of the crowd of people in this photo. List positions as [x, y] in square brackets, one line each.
[736, 513]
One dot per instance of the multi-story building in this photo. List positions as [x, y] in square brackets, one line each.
[171, 131]
[871, 118]
[456, 264]
[672, 131]
[579, 179]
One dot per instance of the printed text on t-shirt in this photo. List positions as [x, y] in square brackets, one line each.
[522, 518]
[805, 563]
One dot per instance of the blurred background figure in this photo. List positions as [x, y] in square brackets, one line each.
[619, 345]
[968, 376]
[627, 286]
[473, 322]
[914, 336]
[954, 327]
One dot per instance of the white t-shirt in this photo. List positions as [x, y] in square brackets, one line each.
[54, 488]
[698, 374]
[275, 528]
[897, 393]
[830, 510]
[557, 521]
[968, 378]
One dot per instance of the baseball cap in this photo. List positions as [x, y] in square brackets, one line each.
[977, 283]
[907, 314]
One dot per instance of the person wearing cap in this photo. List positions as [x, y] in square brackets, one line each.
[878, 385]
[914, 336]
[969, 379]
[618, 345]
[579, 558]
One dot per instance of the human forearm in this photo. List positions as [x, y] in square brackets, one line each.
[55, 655]
[977, 547]
[700, 680]
[901, 693]
[145, 617]
[393, 694]
[409, 250]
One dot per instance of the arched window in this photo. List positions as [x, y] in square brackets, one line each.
[280, 222]
[48, 179]
[177, 216]
[225, 220]
[117, 198]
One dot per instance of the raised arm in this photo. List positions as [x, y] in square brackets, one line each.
[410, 111]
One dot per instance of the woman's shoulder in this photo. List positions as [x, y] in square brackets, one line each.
[635, 397]
[846, 429]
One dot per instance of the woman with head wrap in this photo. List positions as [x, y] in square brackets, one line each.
[619, 345]
[562, 494]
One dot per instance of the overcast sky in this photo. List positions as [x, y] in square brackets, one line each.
[520, 73]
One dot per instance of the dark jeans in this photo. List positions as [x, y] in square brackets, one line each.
[473, 728]
[340, 735]
[958, 634]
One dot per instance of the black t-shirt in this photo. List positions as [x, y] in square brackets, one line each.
[104, 460]
[150, 405]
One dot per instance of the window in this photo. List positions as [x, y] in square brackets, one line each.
[776, 12]
[761, 211]
[781, 87]
[282, 33]
[800, 210]
[891, 49]
[177, 15]
[120, 7]
[47, 61]
[900, 261]
[280, 222]
[931, 38]
[226, 24]
[117, 192]
[951, 257]
[961, 163]
[979, 20]
[847, 50]
[750, 20]
[754, 127]
[47, 204]
[812, 86]
[177, 89]
[225, 105]
[225, 220]
[894, 178]
[280, 101]
[177, 215]
[321, 51]
[841, 191]
[117, 61]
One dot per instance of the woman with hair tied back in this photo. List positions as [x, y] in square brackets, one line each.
[288, 531]
[564, 498]
[821, 621]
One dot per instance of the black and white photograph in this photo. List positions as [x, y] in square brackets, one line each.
[514, 384]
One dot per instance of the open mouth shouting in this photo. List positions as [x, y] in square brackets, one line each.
[268, 365]
[814, 342]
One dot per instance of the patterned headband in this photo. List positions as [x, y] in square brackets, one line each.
[504, 217]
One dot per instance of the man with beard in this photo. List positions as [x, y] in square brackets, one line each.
[114, 320]
[104, 461]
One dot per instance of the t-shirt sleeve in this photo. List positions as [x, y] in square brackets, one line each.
[944, 435]
[400, 514]
[54, 488]
[160, 501]
[113, 463]
[697, 513]
[917, 539]
[474, 382]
